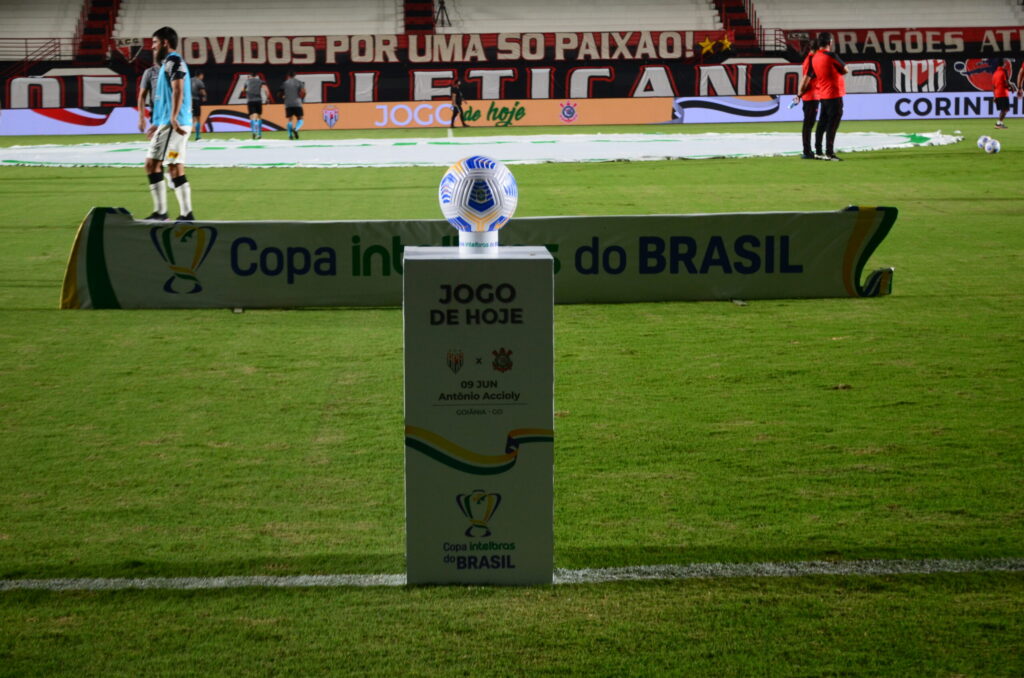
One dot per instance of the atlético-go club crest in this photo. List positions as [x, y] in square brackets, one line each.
[455, 358]
[330, 116]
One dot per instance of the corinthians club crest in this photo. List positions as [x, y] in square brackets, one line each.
[569, 112]
[479, 506]
[183, 247]
[502, 360]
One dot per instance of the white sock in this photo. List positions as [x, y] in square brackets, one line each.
[183, 191]
[158, 189]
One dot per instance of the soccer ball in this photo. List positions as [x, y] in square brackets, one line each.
[982, 140]
[478, 194]
[992, 146]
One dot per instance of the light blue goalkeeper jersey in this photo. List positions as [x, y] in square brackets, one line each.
[173, 68]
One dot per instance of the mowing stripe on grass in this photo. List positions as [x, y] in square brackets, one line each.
[871, 568]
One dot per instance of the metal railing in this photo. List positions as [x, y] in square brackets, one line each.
[27, 52]
[19, 49]
[772, 39]
[769, 39]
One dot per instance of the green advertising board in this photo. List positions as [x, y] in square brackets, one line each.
[120, 262]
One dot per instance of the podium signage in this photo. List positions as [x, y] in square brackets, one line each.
[479, 439]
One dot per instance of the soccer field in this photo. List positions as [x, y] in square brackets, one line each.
[142, 444]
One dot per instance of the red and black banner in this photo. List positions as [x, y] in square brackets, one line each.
[914, 43]
[527, 66]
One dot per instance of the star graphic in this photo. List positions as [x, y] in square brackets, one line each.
[725, 42]
[706, 45]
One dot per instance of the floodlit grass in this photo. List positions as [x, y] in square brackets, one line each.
[966, 625]
[166, 443]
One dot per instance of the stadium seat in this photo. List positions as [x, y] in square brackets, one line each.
[26, 24]
[200, 18]
[40, 19]
[794, 14]
[486, 16]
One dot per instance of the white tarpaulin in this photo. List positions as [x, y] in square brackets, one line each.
[441, 152]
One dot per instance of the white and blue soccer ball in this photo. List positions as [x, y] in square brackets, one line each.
[993, 146]
[478, 194]
[982, 140]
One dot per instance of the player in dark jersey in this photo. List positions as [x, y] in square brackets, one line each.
[457, 99]
[256, 92]
[198, 99]
[805, 93]
[293, 91]
[829, 87]
[146, 88]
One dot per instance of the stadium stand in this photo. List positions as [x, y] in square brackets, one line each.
[486, 16]
[26, 25]
[201, 18]
[790, 14]
[40, 19]
[50, 29]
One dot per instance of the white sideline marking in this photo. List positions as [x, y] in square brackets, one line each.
[562, 576]
[443, 152]
[805, 568]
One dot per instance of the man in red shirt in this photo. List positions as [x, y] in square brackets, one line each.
[1000, 91]
[829, 88]
[805, 93]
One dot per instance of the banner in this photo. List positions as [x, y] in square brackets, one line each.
[413, 114]
[367, 68]
[119, 262]
[973, 41]
[56, 121]
[560, 67]
[927, 106]
[384, 115]
[522, 113]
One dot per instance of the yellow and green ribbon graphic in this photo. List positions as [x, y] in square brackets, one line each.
[457, 457]
[870, 228]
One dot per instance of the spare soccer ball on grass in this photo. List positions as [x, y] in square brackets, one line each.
[992, 146]
[478, 194]
[982, 140]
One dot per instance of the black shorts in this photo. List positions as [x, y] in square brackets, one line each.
[1002, 104]
[832, 109]
[197, 109]
[293, 111]
[255, 107]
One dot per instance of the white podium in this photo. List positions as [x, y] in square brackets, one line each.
[479, 439]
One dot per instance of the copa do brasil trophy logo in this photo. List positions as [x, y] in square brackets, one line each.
[478, 195]
[479, 386]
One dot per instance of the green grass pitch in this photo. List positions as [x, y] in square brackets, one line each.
[205, 443]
